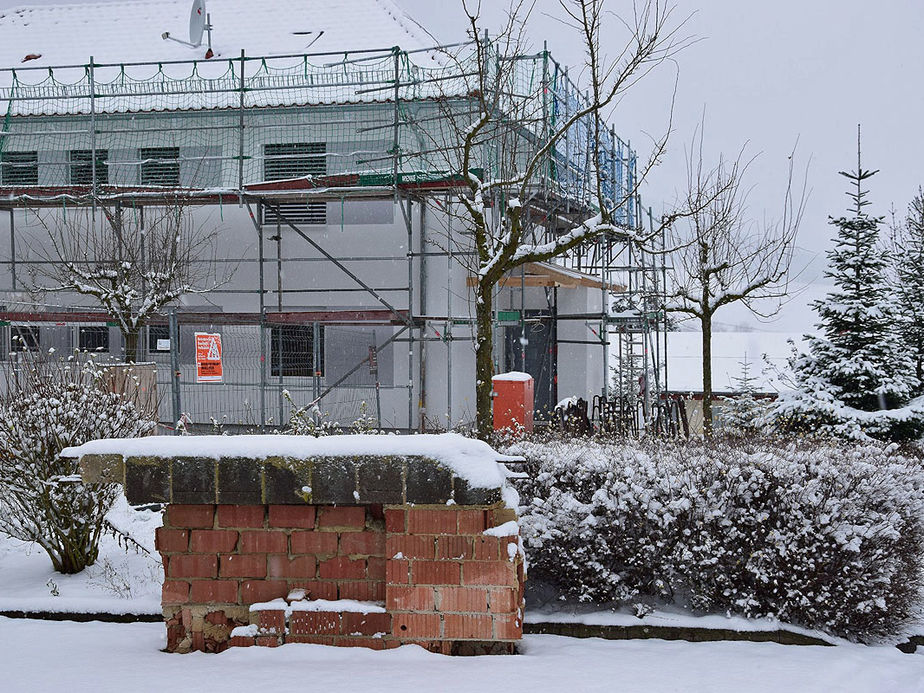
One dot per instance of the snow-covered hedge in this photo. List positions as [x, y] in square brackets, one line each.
[827, 537]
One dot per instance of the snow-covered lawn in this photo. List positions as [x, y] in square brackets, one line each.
[121, 581]
[100, 657]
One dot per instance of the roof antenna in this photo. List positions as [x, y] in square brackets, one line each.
[199, 22]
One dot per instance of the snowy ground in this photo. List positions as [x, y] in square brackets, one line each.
[104, 657]
[120, 582]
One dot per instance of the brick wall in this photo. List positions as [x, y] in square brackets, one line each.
[445, 584]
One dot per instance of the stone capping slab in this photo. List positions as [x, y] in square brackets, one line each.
[334, 480]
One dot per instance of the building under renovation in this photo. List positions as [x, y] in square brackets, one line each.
[317, 145]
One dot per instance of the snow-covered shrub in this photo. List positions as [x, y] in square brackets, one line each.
[827, 537]
[50, 404]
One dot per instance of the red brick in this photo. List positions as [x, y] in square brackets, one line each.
[311, 639]
[421, 521]
[301, 516]
[362, 544]
[255, 591]
[240, 515]
[209, 591]
[193, 566]
[434, 646]
[395, 521]
[171, 540]
[281, 566]
[242, 641]
[469, 599]
[488, 549]
[400, 598]
[375, 511]
[507, 627]
[472, 521]
[365, 624]
[503, 600]
[346, 517]
[416, 625]
[317, 589]
[314, 542]
[375, 568]
[371, 643]
[398, 571]
[189, 516]
[342, 568]
[315, 623]
[468, 626]
[264, 542]
[213, 541]
[236, 566]
[269, 640]
[435, 573]
[174, 592]
[272, 620]
[362, 590]
[454, 547]
[489, 573]
[216, 618]
[410, 546]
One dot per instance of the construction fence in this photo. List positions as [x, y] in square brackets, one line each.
[334, 373]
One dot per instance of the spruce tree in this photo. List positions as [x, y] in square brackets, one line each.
[908, 275]
[857, 379]
[743, 414]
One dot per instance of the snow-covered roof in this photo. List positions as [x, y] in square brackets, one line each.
[131, 30]
[729, 352]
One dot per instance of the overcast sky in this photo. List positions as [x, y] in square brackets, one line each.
[767, 74]
[770, 74]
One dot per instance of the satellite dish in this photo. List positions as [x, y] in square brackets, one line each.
[197, 22]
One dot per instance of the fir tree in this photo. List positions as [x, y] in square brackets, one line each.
[908, 273]
[857, 379]
[744, 414]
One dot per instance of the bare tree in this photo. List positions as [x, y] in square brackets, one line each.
[500, 140]
[132, 262]
[722, 257]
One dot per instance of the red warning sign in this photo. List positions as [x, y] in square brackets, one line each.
[208, 358]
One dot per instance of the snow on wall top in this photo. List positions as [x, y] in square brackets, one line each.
[130, 30]
[469, 459]
[515, 376]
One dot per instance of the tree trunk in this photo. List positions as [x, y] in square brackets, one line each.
[484, 360]
[131, 345]
[706, 323]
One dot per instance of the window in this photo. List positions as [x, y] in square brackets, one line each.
[160, 166]
[158, 338]
[282, 161]
[81, 161]
[295, 160]
[24, 338]
[292, 350]
[19, 168]
[93, 339]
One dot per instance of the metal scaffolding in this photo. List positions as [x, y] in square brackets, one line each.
[287, 137]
